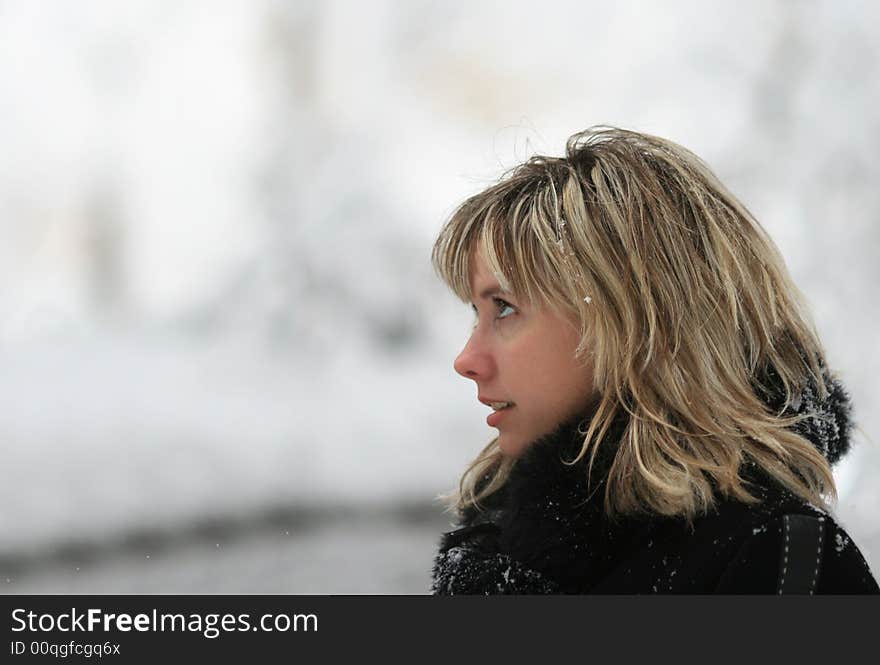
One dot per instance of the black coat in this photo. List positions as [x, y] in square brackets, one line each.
[544, 532]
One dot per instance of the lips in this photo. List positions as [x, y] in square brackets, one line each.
[494, 418]
[500, 409]
[496, 404]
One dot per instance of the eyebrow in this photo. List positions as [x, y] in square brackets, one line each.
[493, 291]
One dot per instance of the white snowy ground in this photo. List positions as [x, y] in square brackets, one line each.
[116, 454]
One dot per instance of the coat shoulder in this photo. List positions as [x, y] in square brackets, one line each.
[779, 546]
[798, 550]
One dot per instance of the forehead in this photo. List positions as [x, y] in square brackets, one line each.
[481, 276]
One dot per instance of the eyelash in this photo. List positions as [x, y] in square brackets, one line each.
[501, 305]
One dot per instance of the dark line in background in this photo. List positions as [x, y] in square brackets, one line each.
[298, 520]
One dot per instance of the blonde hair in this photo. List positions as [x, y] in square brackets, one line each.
[683, 302]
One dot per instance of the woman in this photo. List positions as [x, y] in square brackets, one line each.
[666, 420]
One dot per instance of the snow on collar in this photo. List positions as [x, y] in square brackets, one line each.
[830, 422]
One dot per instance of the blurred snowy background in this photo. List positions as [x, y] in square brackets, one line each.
[226, 363]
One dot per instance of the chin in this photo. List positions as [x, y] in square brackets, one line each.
[511, 446]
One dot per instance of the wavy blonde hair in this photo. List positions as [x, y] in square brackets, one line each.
[683, 302]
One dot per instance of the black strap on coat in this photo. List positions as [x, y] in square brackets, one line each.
[803, 538]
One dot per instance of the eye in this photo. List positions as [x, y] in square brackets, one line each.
[505, 309]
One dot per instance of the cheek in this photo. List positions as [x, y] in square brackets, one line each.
[564, 376]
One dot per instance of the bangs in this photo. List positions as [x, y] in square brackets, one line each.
[518, 227]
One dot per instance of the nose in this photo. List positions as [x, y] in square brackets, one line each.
[474, 362]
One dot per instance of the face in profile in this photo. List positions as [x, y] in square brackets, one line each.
[522, 358]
